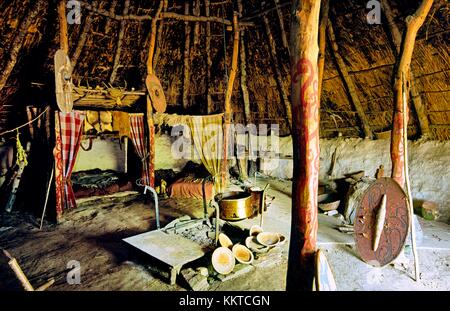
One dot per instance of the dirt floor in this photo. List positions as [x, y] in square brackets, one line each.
[92, 235]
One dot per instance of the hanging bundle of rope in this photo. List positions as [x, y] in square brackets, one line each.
[21, 155]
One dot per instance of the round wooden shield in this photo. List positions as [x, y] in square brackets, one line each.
[63, 81]
[395, 226]
[156, 93]
[324, 279]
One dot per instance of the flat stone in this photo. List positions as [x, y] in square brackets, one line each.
[196, 281]
[272, 258]
[239, 269]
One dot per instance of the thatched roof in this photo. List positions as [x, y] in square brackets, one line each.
[367, 50]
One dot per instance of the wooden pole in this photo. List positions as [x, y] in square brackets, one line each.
[322, 41]
[150, 121]
[196, 11]
[228, 94]
[83, 36]
[186, 64]
[18, 40]
[208, 60]
[159, 37]
[415, 94]
[282, 30]
[278, 75]
[151, 49]
[413, 24]
[63, 32]
[305, 135]
[348, 82]
[164, 15]
[116, 64]
[412, 227]
[243, 62]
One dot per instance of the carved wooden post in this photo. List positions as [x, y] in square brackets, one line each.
[305, 135]
[228, 95]
[413, 23]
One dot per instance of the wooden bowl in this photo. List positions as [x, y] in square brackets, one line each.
[255, 230]
[223, 260]
[328, 202]
[225, 241]
[268, 238]
[254, 245]
[242, 254]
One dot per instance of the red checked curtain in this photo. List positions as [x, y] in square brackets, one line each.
[68, 130]
[138, 138]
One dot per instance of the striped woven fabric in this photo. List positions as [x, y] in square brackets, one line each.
[138, 138]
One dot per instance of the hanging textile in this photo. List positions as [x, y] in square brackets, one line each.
[207, 135]
[68, 132]
[138, 139]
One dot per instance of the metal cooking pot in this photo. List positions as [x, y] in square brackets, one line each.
[234, 205]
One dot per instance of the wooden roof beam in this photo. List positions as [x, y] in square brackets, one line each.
[116, 64]
[164, 15]
[348, 82]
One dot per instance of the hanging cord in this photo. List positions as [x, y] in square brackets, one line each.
[23, 125]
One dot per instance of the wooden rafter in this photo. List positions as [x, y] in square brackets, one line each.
[415, 92]
[116, 64]
[322, 42]
[63, 33]
[281, 21]
[228, 94]
[151, 49]
[165, 15]
[348, 82]
[196, 11]
[243, 62]
[278, 75]
[159, 36]
[18, 40]
[186, 59]
[87, 25]
[208, 60]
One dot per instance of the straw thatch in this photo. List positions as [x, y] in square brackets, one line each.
[368, 52]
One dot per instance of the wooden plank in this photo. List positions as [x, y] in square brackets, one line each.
[305, 135]
[348, 82]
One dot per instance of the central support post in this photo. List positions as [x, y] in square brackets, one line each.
[305, 134]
